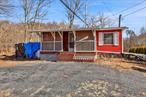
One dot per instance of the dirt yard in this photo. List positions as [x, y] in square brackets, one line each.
[68, 79]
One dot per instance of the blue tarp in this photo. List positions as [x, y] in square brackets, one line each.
[31, 48]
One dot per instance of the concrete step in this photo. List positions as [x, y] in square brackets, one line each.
[84, 58]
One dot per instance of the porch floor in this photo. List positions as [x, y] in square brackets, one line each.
[73, 56]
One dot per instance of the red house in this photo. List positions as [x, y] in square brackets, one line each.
[80, 44]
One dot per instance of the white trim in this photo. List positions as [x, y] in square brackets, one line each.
[78, 51]
[122, 41]
[69, 42]
[84, 38]
[62, 41]
[86, 41]
[61, 36]
[95, 42]
[41, 41]
[116, 38]
[109, 52]
[74, 41]
[109, 44]
[86, 51]
[100, 38]
[81, 29]
[54, 41]
[50, 51]
[52, 33]
[50, 41]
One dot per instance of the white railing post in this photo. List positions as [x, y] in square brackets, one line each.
[41, 42]
[54, 41]
[94, 33]
[61, 35]
[74, 40]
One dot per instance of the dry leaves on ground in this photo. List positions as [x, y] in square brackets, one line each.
[6, 93]
[98, 88]
[118, 63]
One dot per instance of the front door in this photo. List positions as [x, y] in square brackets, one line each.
[65, 41]
[71, 41]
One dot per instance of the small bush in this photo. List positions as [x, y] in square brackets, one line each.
[145, 50]
[132, 50]
[139, 50]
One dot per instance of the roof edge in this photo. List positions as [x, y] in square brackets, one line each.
[78, 29]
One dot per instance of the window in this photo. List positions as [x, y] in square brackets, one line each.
[108, 38]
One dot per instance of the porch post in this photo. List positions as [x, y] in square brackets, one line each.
[61, 35]
[74, 40]
[41, 41]
[94, 34]
[53, 34]
[62, 40]
[54, 40]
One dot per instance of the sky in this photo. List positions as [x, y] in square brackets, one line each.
[110, 8]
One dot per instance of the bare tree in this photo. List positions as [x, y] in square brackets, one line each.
[5, 7]
[131, 36]
[142, 36]
[100, 21]
[34, 11]
[143, 30]
[84, 13]
[92, 21]
[75, 6]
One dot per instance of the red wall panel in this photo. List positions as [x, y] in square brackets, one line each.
[109, 48]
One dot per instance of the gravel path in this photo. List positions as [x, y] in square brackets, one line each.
[71, 79]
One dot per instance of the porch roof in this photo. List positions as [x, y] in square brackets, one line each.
[78, 29]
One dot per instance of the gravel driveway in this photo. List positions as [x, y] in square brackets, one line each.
[71, 79]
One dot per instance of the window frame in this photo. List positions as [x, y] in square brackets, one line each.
[106, 38]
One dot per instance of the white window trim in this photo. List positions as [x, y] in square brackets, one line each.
[100, 38]
[115, 40]
[109, 52]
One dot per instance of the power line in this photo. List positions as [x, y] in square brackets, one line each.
[73, 12]
[132, 6]
[134, 12]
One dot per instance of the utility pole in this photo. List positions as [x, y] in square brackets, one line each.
[120, 17]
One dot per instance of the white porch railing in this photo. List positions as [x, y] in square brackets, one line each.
[85, 45]
[51, 45]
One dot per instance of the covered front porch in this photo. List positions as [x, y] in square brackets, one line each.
[70, 41]
[69, 45]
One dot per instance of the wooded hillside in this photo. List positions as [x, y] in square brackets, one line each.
[133, 41]
[12, 33]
